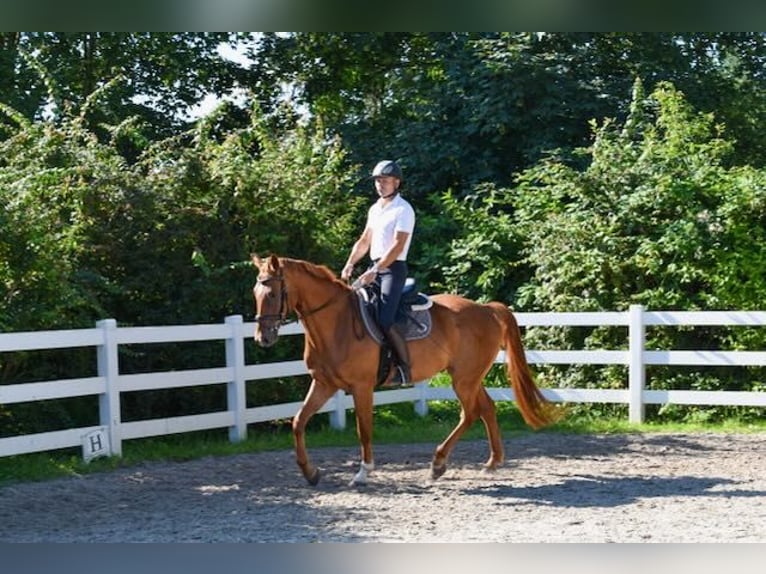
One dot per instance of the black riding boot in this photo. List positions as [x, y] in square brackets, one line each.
[399, 345]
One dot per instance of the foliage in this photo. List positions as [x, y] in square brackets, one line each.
[163, 240]
[649, 221]
[48, 74]
[478, 260]
[461, 109]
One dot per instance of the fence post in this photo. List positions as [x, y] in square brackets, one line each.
[421, 405]
[338, 416]
[236, 397]
[109, 402]
[636, 369]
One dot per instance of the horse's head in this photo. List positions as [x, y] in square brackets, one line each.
[270, 296]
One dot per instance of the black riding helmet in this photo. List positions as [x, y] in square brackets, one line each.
[388, 167]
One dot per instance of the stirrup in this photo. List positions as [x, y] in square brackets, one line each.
[399, 379]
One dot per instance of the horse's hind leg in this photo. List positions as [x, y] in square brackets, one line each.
[469, 413]
[317, 396]
[442, 452]
[489, 418]
[474, 405]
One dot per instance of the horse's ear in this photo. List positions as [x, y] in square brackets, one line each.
[256, 260]
[273, 264]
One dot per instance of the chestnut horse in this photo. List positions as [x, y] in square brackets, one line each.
[464, 340]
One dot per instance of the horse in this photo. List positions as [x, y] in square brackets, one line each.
[464, 341]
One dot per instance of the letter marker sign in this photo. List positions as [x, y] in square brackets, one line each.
[95, 444]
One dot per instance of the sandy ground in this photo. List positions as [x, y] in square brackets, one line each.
[553, 488]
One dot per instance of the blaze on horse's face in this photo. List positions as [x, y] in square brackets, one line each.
[270, 300]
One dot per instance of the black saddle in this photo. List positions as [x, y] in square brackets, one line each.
[413, 319]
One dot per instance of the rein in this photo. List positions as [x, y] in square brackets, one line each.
[324, 305]
[283, 310]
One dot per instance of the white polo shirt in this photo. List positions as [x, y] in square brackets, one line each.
[385, 221]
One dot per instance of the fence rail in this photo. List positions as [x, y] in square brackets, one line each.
[109, 383]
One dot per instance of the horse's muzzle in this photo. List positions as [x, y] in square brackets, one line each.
[266, 337]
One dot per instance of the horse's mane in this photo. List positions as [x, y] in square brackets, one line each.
[318, 271]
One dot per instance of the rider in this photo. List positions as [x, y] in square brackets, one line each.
[387, 236]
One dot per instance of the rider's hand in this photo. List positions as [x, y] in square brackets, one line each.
[348, 270]
[369, 275]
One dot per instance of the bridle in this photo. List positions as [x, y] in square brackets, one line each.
[281, 317]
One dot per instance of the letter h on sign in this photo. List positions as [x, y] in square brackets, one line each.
[95, 444]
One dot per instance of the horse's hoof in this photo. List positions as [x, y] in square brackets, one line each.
[357, 482]
[313, 480]
[437, 471]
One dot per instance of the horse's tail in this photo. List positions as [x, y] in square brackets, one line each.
[535, 408]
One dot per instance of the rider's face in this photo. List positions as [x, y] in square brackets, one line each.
[386, 184]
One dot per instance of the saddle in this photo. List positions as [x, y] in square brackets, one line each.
[413, 319]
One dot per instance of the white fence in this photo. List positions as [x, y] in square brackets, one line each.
[109, 383]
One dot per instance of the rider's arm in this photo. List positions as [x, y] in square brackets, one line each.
[358, 251]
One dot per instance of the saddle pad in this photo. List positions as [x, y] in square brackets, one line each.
[416, 325]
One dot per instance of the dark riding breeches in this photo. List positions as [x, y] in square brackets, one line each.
[391, 281]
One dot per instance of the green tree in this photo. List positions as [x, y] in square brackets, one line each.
[650, 220]
[645, 222]
[161, 74]
[471, 248]
[52, 182]
[462, 109]
[164, 240]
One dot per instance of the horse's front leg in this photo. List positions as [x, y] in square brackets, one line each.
[317, 396]
[363, 408]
